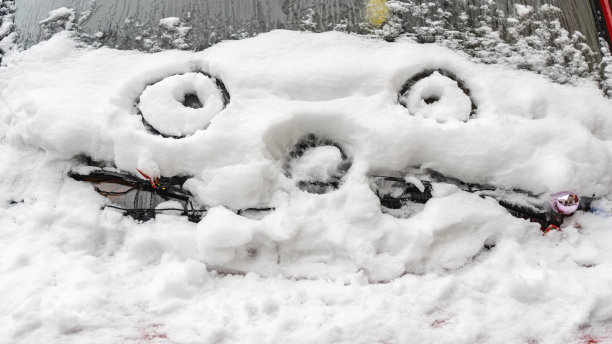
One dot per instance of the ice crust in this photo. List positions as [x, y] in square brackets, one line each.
[319, 268]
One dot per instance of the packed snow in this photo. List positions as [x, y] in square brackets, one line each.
[318, 268]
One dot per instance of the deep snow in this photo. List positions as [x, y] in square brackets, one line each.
[325, 268]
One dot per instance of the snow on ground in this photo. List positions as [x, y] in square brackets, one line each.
[319, 268]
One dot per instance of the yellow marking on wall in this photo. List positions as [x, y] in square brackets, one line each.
[377, 12]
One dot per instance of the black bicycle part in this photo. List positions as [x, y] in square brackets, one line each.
[171, 189]
[412, 193]
[409, 192]
[168, 189]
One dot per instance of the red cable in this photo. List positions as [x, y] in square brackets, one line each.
[607, 13]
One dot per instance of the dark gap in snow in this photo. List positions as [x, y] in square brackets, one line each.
[192, 100]
[252, 252]
[431, 100]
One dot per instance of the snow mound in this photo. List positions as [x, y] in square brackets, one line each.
[318, 267]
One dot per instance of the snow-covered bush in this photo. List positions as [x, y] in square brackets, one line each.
[172, 32]
[58, 20]
[530, 38]
[606, 69]
[7, 34]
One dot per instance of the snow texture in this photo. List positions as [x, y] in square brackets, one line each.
[318, 268]
[162, 106]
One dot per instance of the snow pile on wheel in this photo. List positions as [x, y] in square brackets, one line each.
[163, 105]
[433, 95]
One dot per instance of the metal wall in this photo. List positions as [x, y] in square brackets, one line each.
[211, 20]
[214, 20]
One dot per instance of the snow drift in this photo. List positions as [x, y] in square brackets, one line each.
[319, 268]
